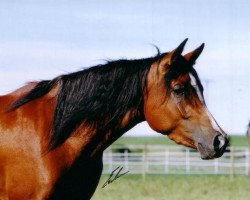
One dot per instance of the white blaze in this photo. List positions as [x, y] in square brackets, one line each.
[199, 93]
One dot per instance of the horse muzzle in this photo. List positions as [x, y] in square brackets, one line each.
[215, 150]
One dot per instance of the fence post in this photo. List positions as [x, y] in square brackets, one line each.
[126, 159]
[144, 162]
[216, 166]
[187, 161]
[166, 168]
[248, 160]
[110, 161]
[247, 169]
[232, 163]
[248, 154]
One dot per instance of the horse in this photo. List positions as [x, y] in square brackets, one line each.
[53, 132]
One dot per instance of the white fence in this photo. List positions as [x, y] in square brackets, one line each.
[174, 160]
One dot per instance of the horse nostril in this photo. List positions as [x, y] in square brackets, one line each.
[219, 141]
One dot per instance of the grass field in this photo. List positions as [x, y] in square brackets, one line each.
[175, 187]
[235, 140]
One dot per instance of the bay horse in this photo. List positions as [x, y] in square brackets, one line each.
[53, 132]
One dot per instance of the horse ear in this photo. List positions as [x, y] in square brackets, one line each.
[173, 55]
[192, 56]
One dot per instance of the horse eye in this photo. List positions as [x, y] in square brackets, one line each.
[179, 90]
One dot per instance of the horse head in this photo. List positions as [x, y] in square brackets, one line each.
[174, 104]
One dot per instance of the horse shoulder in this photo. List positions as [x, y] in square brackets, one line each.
[22, 141]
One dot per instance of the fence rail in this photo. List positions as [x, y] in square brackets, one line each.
[174, 160]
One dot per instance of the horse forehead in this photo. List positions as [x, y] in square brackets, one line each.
[181, 79]
[197, 86]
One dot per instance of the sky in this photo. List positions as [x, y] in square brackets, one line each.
[43, 39]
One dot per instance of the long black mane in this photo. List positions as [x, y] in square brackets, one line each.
[99, 95]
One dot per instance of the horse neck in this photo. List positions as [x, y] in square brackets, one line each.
[129, 120]
[89, 142]
[105, 113]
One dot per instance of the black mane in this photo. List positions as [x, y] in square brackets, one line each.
[100, 96]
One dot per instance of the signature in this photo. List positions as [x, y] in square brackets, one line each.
[115, 174]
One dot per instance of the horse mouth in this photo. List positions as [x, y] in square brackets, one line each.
[208, 154]
[205, 154]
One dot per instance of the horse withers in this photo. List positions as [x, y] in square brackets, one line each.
[53, 133]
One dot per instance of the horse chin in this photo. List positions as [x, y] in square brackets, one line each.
[205, 153]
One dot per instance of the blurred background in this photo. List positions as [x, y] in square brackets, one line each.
[43, 39]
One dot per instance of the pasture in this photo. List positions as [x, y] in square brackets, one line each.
[175, 187]
[235, 140]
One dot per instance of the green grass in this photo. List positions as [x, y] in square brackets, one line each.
[158, 140]
[175, 187]
[163, 140]
[238, 140]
